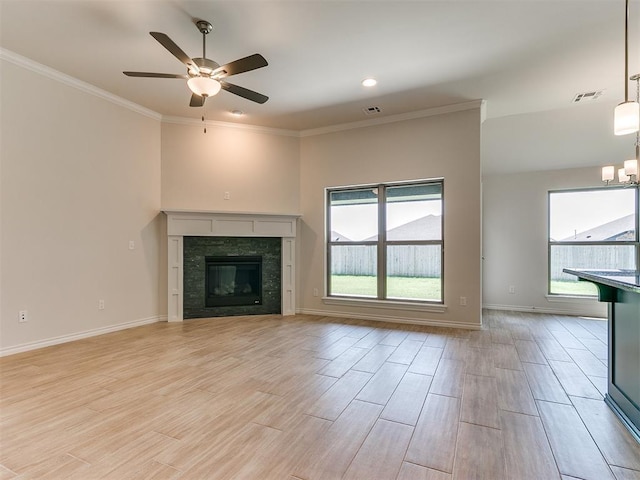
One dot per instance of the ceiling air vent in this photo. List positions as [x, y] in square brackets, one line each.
[583, 97]
[371, 110]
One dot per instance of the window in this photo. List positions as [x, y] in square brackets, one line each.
[385, 242]
[595, 228]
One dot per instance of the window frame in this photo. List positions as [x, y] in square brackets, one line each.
[382, 243]
[634, 243]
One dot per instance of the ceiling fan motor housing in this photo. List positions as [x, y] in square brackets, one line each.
[206, 66]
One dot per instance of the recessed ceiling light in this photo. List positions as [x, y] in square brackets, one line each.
[369, 82]
[237, 113]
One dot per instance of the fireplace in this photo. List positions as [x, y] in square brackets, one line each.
[227, 276]
[192, 236]
[233, 281]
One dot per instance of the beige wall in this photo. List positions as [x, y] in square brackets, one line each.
[515, 240]
[260, 170]
[80, 179]
[81, 176]
[439, 146]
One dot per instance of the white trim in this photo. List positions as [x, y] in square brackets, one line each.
[288, 276]
[25, 347]
[430, 112]
[70, 81]
[63, 78]
[394, 319]
[241, 126]
[551, 311]
[230, 224]
[181, 223]
[456, 107]
[570, 299]
[226, 212]
[175, 266]
[387, 304]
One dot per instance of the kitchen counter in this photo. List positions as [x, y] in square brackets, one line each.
[623, 279]
[621, 289]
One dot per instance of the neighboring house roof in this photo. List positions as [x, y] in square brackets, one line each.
[622, 228]
[338, 237]
[424, 228]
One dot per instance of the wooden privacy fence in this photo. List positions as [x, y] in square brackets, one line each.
[586, 256]
[425, 260]
[402, 260]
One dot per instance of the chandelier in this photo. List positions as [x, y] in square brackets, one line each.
[626, 116]
[628, 174]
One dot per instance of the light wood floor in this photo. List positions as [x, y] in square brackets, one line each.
[305, 397]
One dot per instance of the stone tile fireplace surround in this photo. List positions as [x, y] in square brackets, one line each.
[182, 223]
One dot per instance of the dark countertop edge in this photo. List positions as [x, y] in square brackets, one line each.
[605, 280]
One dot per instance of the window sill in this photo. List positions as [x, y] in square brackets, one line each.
[388, 304]
[569, 298]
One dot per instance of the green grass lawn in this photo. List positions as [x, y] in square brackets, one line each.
[419, 288]
[415, 288]
[573, 288]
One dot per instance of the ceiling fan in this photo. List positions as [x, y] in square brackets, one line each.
[205, 77]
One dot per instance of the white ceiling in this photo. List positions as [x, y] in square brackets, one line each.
[526, 59]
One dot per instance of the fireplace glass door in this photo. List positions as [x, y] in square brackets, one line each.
[233, 281]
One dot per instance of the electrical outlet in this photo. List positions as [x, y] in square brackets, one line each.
[512, 289]
[22, 316]
[100, 304]
[463, 301]
[227, 196]
[315, 292]
[132, 245]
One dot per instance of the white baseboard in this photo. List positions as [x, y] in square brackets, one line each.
[394, 319]
[551, 311]
[25, 347]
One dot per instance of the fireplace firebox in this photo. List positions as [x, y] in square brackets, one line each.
[233, 281]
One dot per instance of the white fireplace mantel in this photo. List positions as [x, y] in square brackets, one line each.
[183, 223]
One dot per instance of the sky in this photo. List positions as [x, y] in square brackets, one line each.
[576, 212]
[572, 212]
[358, 222]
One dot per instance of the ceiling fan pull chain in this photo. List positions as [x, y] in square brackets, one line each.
[203, 122]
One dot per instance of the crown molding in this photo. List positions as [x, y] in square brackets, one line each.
[240, 126]
[63, 78]
[70, 81]
[457, 107]
[429, 112]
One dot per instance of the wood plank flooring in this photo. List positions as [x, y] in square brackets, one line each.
[309, 397]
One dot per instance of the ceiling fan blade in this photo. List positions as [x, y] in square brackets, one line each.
[244, 92]
[177, 52]
[196, 101]
[242, 65]
[155, 75]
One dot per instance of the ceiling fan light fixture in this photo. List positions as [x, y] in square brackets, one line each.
[626, 118]
[204, 76]
[204, 86]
